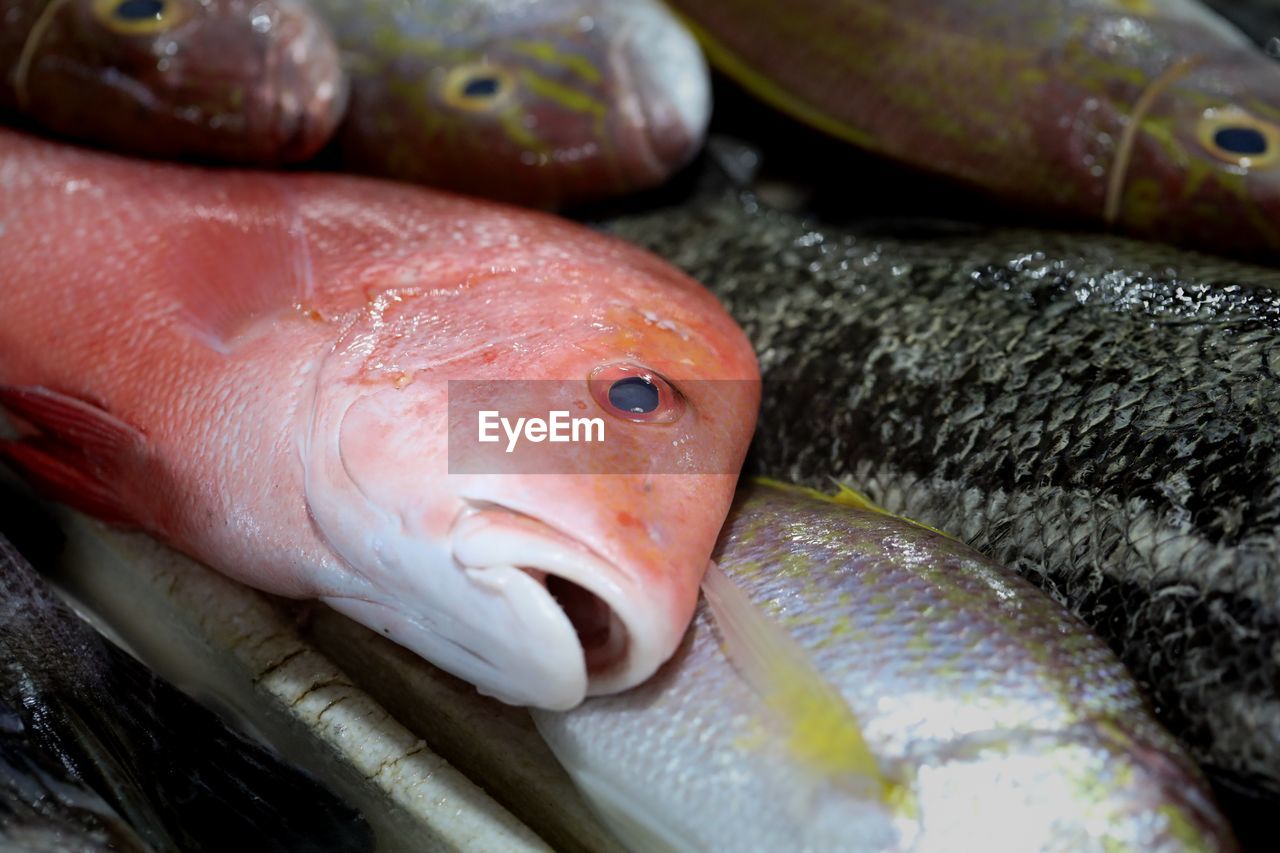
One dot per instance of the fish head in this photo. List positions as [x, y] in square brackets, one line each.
[550, 103]
[564, 569]
[240, 79]
[1184, 136]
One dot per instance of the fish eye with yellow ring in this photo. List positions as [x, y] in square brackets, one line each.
[477, 87]
[1240, 139]
[140, 17]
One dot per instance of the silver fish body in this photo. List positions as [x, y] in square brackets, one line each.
[999, 715]
[1099, 414]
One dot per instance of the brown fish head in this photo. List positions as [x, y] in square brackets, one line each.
[545, 104]
[232, 80]
[1205, 160]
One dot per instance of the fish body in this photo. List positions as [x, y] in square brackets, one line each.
[988, 709]
[1096, 413]
[99, 753]
[228, 80]
[257, 369]
[543, 102]
[1153, 116]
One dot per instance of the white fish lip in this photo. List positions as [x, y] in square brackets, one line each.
[659, 61]
[618, 628]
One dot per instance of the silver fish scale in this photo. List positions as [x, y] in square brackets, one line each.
[1000, 714]
[1100, 414]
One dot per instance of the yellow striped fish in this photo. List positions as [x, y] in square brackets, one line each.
[543, 102]
[1155, 117]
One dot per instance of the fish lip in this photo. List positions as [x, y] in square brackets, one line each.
[619, 648]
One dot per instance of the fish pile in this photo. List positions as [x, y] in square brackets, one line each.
[256, 369]
[265, 370]
[1097, 413]
[889, 689]
[98, 753]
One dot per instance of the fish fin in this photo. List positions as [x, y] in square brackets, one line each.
[77, 447]
[820, 728]
[252, 268]
[845, 496]
[65, 482]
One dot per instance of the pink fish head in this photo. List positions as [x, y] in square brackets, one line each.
[541, 570]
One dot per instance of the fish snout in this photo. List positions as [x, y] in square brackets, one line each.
[610, 632]
[304, 91]
[667, 114]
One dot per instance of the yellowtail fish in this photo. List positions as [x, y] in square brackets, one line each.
[543, 102]
[249, 81]
[856, 681]
[1154, 117]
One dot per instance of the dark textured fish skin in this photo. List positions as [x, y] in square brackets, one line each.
[1100, 414]
[44, 808]
[245, 81]
[174, 771]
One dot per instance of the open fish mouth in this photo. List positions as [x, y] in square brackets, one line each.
[600, 634]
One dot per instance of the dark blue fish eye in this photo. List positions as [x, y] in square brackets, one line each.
[634, 394]
[481, 87]
[140, 10]
[1245, 141]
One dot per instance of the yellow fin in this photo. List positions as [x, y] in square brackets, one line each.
[845, 496]
[821, 731]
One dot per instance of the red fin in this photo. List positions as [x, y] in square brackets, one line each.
[64, 482]
[87, 428]
[77, 452]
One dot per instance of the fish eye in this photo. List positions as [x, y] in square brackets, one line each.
[477, 88]
[139, 17]
[1240, 139]
[636, 393]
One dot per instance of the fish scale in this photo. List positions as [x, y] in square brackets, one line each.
[1100, 414]
[985, 706]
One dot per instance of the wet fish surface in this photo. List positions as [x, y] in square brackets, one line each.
[265, 385]
[1099, 414]
[987, 709]
[542, 102]
[1158, 118]
[247, 81]
[42, 808]
[98, 749]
